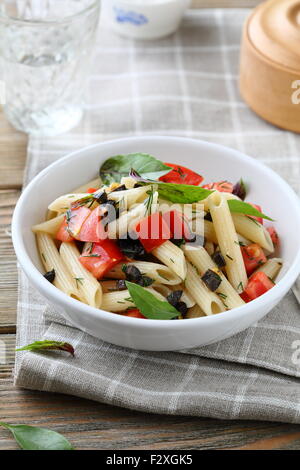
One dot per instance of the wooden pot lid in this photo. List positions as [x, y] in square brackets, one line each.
[274, 30]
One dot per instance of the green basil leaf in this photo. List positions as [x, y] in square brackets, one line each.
[34, 438]
[48, 345]
[149, 305]
[177, 193]
[241, 207]
[114, 168]
[182, 193]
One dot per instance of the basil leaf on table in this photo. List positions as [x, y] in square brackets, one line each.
[177, 193]
[48, 345]
[34, 438]
[241, 207]
[149, 305]
[114, 168]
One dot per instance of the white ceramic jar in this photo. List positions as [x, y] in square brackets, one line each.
[144, 19]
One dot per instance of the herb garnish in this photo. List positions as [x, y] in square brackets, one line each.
[93, 255]
[149, 201]
[114, 168]
[240, 286]
[34, 438]
[178, 193]
[240, 189]
[149, 305]
[241, 207]
[48, 345]
[79, 280]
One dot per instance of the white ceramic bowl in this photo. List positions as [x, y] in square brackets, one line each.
[215, 163]
[144, 19]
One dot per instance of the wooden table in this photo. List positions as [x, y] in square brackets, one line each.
[90, 425]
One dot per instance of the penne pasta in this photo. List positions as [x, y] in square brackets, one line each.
[117, 301]
[63, 203]
[186, 297]
[126, 222]
[131, 196]
[210, 247]
[109, 286]
[190, 211]
[254, 231]
[89, 288]
[207, 230]
[208, 301]
[271, 268]
[50, 226]
[120, 301]
[243, 241]
[52, 260]
[173, 257]
[167, 290]
[202, 261]
[228, 241]
[158, 272]
[200, 249]
[195, 312]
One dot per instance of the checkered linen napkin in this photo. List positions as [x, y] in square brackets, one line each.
[183, 85]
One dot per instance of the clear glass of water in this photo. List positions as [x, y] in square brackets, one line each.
[45, 51]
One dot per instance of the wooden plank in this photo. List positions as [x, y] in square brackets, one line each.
[90, 425]
[13, 155]
[7, 355]
[8, 268]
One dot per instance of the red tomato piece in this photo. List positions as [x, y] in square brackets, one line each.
[91, 190]
[253, 256]
[258, 285]
[259, 219]
[178, 224]
[245, 297]
[134, 313]
[101, 258]
[153, 231]
[75, 218]
[63, 234]
[92, 229]
[181, 175]
[274, 235]
[222, 186]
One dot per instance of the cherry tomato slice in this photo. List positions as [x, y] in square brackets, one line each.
[253, 256]
[101, 258]
[153, 231]
[181, 175]
[258, 285]
[274, 235]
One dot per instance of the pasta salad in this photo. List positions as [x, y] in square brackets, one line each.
[149, 240]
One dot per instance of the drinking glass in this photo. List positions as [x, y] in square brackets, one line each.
[45, 51]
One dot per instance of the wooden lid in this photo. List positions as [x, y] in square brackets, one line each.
[274, 30]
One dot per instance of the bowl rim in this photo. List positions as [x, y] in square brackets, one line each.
[62, 299]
